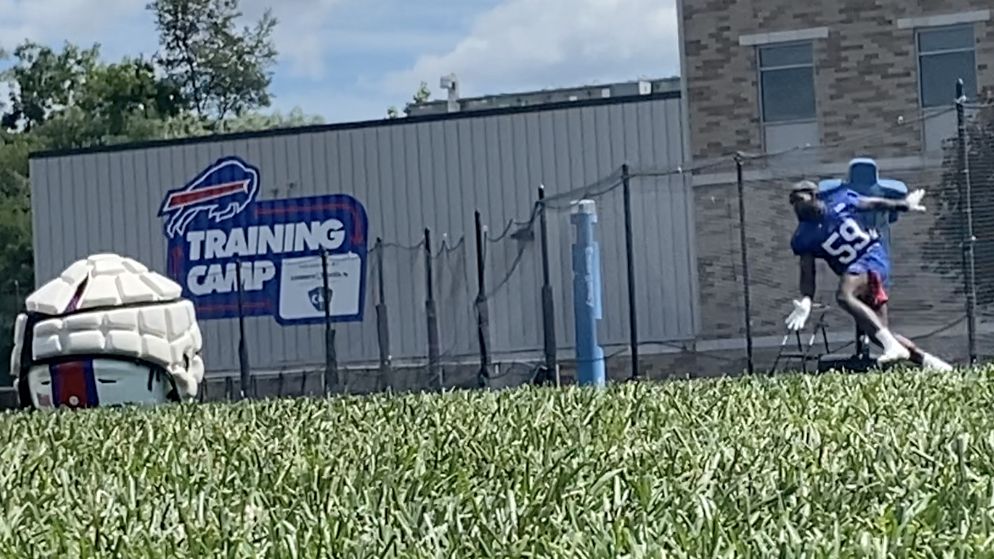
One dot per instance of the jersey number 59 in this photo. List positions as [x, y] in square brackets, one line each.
[846, 243]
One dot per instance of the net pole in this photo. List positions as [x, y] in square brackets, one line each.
[744, 251]
[548, 305]
[968, 237]
[482, 306]
[630, 262]
[331, 379]
[382, 319]
[432, 317]
[243, 359]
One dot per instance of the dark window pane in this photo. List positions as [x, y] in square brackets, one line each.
[788, 94]
[785, 55]
[939, 73]
[945, 39]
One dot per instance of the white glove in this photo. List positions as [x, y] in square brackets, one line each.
[915, 201]
[802, 310]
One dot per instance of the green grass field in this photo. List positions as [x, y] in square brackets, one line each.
[874, 465]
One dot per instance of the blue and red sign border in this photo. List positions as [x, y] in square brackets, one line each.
[344, 207]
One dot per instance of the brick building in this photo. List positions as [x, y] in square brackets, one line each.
[773, 74]
[846, 79]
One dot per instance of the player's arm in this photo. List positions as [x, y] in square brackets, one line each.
[802, 307]
[912, 202]
[871, 203]
[807, 279]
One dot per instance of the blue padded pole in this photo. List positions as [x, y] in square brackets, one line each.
[587, 295]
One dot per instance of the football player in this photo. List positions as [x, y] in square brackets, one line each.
[829, 228]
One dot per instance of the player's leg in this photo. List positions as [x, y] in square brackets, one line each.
[923, 358]
[850, 287]
[917, 355]
[848, 298]
[876, 298]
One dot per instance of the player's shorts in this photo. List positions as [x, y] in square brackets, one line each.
[875, 296]
[872, 265]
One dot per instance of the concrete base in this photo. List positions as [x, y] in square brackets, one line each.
[844, 362]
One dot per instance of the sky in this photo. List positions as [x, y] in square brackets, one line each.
[349, 60]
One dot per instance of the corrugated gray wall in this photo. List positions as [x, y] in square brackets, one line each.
[411, 176]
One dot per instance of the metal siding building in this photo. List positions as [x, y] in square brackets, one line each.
[411, 174]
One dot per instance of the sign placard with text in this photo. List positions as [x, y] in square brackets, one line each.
[215, 221]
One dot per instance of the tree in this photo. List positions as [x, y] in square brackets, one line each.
[3, 104]
[260, 121]
[221, 70]
[43, 82]
[67, 99]
[118, 102]
[71, 99]
[421, 96]
[131, 86]
[209, 78]
[16, 260]
[93, 98]
[942, 250]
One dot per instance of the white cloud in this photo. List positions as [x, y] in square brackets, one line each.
[311, 34]
[126, 27]
[533, 44]
[350, 59]
[300, 34]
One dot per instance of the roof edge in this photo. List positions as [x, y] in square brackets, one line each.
[356, 125]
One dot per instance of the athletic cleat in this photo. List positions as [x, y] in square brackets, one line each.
[889, 358]
[932, 362]
[895, 354]
[893, 350]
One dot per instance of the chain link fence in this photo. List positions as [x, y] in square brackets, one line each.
[492, 308]
[939, 295]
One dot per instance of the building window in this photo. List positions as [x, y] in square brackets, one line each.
[945, 55]
[787, 82]
[787, 96]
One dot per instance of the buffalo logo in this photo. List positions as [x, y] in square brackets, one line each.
[317, 301]
[223, 191]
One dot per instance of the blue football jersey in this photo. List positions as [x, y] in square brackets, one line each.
[841, 237]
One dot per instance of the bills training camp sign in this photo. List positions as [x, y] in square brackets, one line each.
[215, 221]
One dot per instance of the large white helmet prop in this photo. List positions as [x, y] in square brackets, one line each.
[106, 332]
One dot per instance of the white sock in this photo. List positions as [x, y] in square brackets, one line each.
[888, 340]
[930, 361]
[893, 350]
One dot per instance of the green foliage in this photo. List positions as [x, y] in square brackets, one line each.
[221, 70]
[16, 255]
[16, 260]
[44, 81]
[208, 78]
[70, 98]
[422, 95]
[66, 99]
[129, 87]
[260, 121]
[875, 465]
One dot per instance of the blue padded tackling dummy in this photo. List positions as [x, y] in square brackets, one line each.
[864, 179]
